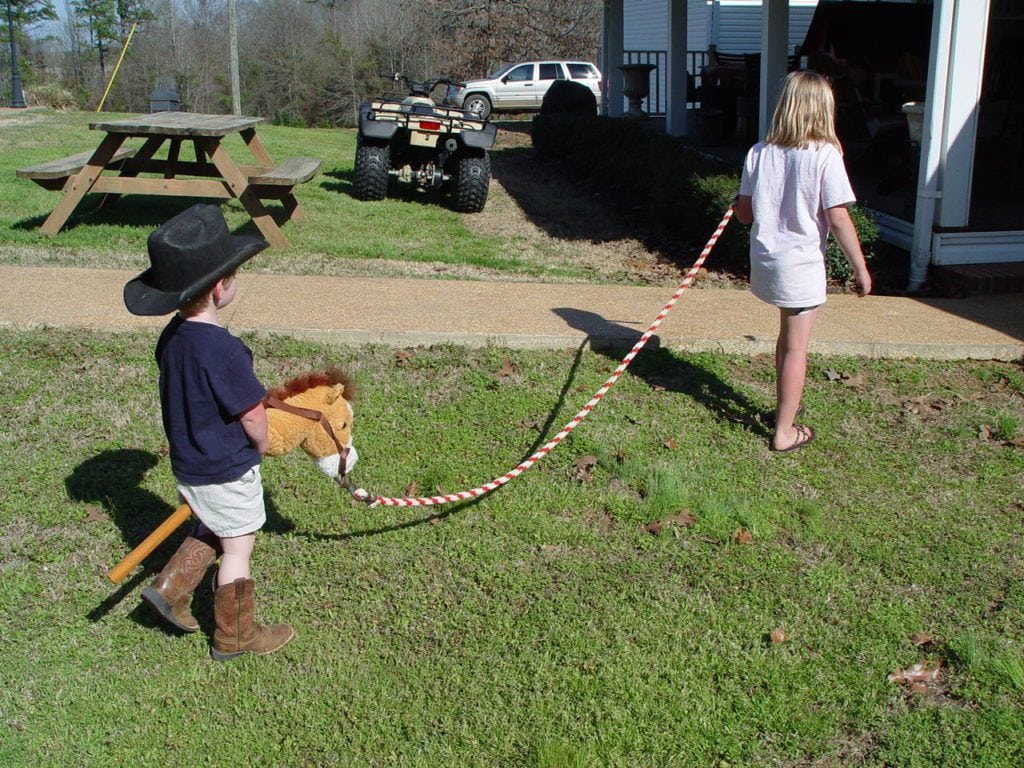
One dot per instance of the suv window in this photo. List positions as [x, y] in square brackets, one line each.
[581, 71]
[519, 74]
[551, 71]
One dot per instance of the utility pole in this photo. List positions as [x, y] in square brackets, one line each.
[236, 99]
[17, 97]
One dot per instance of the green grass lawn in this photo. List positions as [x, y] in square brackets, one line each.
[542, 625]
[342, 235]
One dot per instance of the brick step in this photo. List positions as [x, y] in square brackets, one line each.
[985, 279]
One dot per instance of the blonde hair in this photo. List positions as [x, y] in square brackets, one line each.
[805, 112]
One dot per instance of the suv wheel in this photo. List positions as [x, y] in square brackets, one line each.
[478, 105]
[370, 177]
[470, 184]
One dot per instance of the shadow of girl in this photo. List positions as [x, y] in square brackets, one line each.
[664, 369]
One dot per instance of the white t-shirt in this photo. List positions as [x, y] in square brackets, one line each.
[790, 190]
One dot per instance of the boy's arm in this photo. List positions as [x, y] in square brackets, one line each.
[845, 232]
[254, 422]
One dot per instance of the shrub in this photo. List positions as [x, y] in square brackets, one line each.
[836, 265]
[677, 186]
[51, 95]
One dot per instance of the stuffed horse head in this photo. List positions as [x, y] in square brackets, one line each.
[312, 411]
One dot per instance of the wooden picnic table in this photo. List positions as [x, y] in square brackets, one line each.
[212, 174]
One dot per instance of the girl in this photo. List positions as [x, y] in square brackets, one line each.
[794, 189]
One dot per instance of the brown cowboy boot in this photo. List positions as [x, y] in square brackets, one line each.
[236, 632]
[171, 591]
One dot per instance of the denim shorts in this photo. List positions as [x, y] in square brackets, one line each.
[228, 509]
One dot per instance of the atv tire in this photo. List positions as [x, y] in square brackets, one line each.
[470, 182]
[370, 177]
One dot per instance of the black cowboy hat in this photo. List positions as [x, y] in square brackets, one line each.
[188, 254]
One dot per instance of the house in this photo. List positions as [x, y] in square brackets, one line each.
[970, 152]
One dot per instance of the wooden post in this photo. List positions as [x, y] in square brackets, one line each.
[151, 542]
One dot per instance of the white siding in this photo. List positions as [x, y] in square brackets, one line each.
[735, 25]
[645, 28]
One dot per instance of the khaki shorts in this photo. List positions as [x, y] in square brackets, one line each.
[228, 509]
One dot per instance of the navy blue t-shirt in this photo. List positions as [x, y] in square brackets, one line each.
[206, 383]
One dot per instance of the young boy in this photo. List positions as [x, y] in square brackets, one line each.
[212, 409]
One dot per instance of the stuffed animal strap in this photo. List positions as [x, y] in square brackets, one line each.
[309, 413]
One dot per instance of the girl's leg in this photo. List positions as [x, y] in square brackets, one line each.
[234, 563]
[791, 368]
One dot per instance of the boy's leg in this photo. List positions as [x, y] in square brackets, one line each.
[791, 367]
[233, 606]
[235, 562]
[171, 591]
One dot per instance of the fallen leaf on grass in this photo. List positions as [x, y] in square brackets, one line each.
[684, 518]
[534, 423]
[681, 520]
[1017, 442]
[411, 488]
[921, 638]
[924, 403]
[94, 515]
[779, 636]
[581, 468]
[832, 375]
[741, 536]
[984, 433]
[507, 369]
[553, 548]
[403, 356]
[919, 674]
[670, 443]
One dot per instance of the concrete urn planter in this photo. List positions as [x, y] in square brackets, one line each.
[636, 86]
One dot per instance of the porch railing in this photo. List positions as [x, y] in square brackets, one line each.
[656, 102]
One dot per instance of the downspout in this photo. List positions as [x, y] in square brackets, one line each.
[928, 188]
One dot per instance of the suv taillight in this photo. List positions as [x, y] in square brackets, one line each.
[430, 125]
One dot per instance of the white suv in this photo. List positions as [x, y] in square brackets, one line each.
[520, 87]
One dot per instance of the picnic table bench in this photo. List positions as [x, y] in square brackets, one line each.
[53, 174]
[212, 174]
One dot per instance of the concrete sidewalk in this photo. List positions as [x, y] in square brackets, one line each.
[410, 312]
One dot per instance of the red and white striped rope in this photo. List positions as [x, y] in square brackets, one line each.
[362, 495]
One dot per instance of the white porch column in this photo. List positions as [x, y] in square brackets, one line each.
[963, 91]
[774, 55]
[929, 187]
[611, 59]
[675, 78]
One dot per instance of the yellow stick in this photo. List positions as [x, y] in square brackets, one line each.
[124, 49]
[151, 542]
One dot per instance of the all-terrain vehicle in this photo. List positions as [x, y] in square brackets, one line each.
[421, 143]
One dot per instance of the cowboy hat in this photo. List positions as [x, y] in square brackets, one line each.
[187, 254]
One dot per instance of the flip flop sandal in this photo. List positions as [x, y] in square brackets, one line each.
[804, 436]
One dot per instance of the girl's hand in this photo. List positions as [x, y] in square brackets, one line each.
[862, 282]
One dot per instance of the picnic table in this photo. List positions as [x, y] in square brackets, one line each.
[116, 169]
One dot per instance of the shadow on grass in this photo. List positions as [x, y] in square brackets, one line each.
[663, 369]
[113, 479]
[405, 193]
[434, 517]
[143, 211]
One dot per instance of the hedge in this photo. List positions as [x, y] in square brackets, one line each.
[682, 189]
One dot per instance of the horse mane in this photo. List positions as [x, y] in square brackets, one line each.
[300, 384]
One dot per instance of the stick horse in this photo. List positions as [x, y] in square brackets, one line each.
[313, 412]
